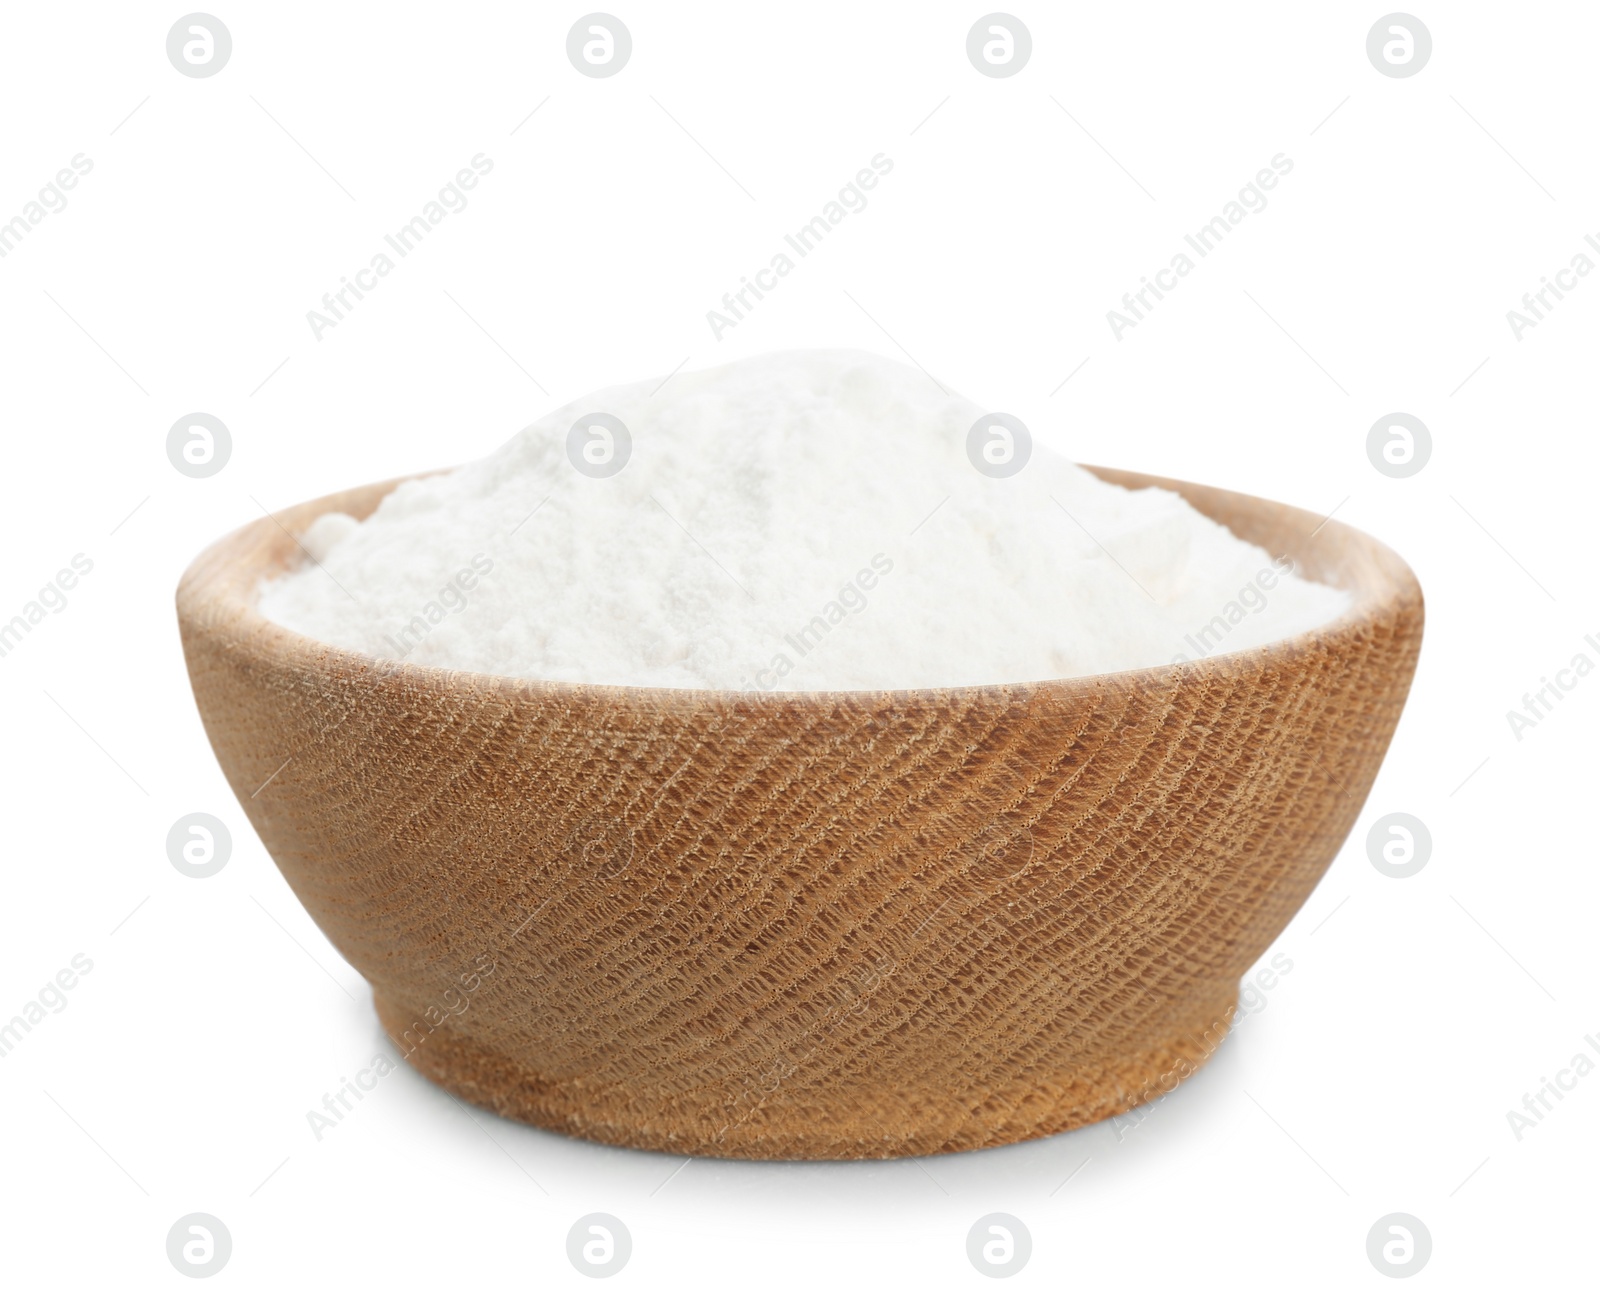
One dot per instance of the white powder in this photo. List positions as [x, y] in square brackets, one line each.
[798, 521]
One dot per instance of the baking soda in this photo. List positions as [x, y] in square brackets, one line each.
[798, 521]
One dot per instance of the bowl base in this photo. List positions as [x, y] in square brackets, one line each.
[776, 1123]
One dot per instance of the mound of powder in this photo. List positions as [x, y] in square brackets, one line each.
[798, 521]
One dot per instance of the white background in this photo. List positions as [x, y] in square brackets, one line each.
[1418, 1011]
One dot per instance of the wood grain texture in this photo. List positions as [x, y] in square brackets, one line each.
[814, 925]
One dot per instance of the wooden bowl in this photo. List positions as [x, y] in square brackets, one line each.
[852, 924]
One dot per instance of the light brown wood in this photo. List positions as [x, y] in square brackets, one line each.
[815, 925]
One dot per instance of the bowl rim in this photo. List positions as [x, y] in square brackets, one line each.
[222, 587]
